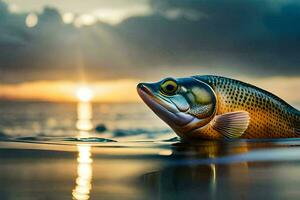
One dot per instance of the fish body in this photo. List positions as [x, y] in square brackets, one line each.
[214, 107]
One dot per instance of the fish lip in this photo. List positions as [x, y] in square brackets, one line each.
[154, 104]
[144, 88]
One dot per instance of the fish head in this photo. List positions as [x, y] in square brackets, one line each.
[183, 103]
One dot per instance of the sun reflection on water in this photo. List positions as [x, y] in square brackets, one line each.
[84, 114]
[84, 173]
[84, 168]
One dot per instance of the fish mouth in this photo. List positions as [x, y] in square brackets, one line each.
[171, 116]
[141, 87]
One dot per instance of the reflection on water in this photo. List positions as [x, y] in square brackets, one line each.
[84, 167]
[84, 173]
[213, 180]
[84, 117]
[201, 181]
[175, 171]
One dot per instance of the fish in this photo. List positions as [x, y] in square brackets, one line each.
[217, 108]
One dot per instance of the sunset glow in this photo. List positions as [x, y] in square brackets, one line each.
[67, 91]
[84, 94]
[117, 91]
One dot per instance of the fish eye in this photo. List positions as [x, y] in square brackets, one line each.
[169, 87]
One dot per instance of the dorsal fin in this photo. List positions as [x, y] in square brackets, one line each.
[232, 124]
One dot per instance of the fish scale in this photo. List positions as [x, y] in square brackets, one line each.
[270, 116]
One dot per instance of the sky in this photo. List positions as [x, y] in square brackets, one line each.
[48, 44]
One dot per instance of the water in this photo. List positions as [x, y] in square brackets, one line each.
[52, 151]
[62, 119]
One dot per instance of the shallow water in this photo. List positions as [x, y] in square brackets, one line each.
[136, 157]
[150, 170]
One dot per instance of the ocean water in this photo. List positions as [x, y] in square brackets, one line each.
[18, 119]
[123, 151]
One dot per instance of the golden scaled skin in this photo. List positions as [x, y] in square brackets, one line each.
[270, 117]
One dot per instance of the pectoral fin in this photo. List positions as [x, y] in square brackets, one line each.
[232, 124]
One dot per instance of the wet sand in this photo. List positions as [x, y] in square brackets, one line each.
[150, 170]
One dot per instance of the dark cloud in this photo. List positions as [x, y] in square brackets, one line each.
[257, 37]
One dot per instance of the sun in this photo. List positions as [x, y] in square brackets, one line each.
[84, 94]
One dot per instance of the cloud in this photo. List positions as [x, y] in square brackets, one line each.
[112, 11]
[253, 37]
[256, 36]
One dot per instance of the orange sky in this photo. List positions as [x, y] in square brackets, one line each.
[105, 91]
[125, 90]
